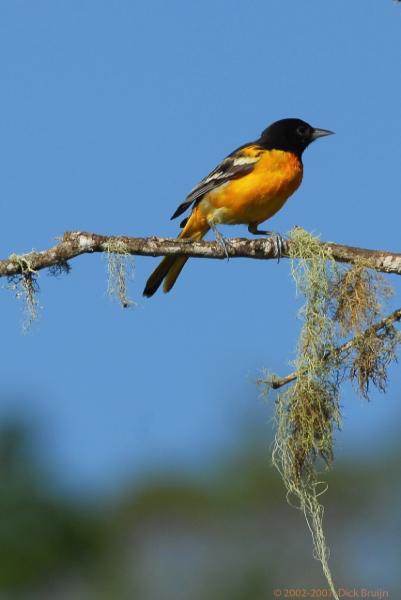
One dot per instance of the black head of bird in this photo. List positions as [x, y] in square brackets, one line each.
[291, 135]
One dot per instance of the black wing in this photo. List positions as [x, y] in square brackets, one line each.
[234, 166]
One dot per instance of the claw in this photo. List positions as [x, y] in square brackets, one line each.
[278, 244]
[220, 239]
[277, 240]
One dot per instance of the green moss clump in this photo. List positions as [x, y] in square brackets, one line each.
[120, 268]
[26, 288]
[341, 302]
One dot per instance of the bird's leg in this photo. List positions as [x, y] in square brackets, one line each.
[253, 228]
[219, 238]
[277, 239]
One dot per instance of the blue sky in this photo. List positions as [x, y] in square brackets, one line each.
[110, 112]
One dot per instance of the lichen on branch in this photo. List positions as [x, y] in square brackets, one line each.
[75, 243]
[120, 269]
[26, 288]
[339, 340]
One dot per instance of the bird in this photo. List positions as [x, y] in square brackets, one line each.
[248, 187]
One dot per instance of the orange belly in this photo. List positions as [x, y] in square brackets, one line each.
[258, 195]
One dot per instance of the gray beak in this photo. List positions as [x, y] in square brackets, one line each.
[317, 133]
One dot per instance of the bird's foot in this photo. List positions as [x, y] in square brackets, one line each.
[220, 239]
[277, 239]
[278, 243]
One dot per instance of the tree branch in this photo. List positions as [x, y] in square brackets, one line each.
[76, 243]
[382, 324]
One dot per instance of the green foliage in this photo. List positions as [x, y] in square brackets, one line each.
[171, 535]
[39, 532]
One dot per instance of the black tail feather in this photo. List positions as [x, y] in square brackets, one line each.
[156, 278]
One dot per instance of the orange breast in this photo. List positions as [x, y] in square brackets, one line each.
[258, 195]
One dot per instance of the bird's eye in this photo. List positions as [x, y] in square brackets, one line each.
[302, 130]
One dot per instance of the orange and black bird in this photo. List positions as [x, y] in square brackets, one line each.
[247, 187]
